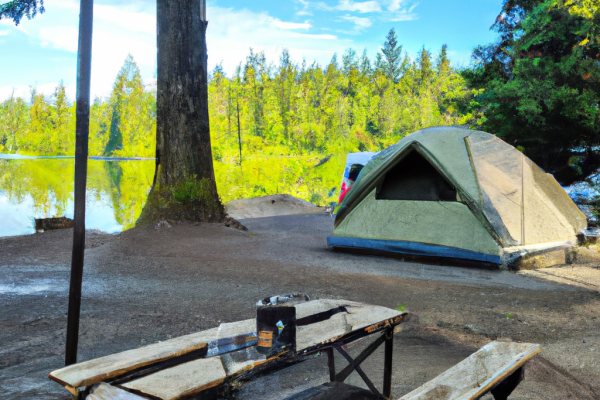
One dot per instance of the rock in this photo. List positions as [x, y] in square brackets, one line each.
[233, 223]
[163, 224]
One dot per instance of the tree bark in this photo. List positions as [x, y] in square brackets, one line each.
[185, 186]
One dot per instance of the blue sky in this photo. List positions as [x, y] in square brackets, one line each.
[41, 52]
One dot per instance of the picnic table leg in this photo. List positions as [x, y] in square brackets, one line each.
[387, 363]
[331, 364]
[506, 387]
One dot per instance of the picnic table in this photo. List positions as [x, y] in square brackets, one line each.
[221, 359]
[188, 365]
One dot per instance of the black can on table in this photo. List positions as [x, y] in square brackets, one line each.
[276, 323]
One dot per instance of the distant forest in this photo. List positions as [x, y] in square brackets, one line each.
[281, 108]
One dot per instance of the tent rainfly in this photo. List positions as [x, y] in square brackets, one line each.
[457, 193]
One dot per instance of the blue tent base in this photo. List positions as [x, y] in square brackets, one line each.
[411, 248]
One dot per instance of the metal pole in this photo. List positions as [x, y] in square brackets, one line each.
[331, 363]
[84, 70]
[387, 363]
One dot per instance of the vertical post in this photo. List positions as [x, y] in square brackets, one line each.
[387, 363]
[84, 70]
[239, 134]
[331, 363]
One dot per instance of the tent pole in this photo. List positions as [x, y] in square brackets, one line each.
[84, 69]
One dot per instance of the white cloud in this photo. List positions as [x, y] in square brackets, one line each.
[359, 23]
[4, 33]
[291, 25]
[316, 36]
[395, 5]
[305, 5]
[362, 7]
[231, 33]
[129, 20]
[405, 14]
[61, 37]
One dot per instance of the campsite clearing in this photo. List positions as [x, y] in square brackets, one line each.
[147, 285]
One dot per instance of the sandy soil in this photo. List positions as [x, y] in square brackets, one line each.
[147, 284]
[271, 206]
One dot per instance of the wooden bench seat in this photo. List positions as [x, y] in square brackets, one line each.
[477, 374]
[104, 368]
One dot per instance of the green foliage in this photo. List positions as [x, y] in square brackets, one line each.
[399, 307]
[541, 83]
[14, 119]
[17, 9]
[270, 124]
[132, 126]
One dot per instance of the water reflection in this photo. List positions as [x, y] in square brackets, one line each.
[117, 189]
[43, 188]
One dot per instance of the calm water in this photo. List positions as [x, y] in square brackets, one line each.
[43, 188]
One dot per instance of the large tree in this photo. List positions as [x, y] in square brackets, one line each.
[541, 83]
[185, 187]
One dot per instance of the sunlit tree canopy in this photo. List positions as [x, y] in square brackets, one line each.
[17, 9]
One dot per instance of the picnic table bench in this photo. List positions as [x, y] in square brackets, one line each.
[224, 357]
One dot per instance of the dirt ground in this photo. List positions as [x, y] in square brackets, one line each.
[150, 284]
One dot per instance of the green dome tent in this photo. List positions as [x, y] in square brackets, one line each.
[456, 193]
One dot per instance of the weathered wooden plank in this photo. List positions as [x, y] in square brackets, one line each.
[100, 369]
[358, 316]
[478, 373]
[233, 336]
[313, 334]
[182, 380]
[367, 315]
[242, 360]
[104, 391]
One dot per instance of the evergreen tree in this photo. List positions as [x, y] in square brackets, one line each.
[541, 83]
[62, 142]
[125, 101]
[349, 61]
[392, 54]
[14, 120]
[442, 62]
[365, 64]
[425, 67]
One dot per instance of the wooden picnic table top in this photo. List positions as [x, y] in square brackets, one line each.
[221, 353]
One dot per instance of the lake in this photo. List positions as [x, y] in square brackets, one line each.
[43, 188]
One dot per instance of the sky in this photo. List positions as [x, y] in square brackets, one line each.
[43, 51]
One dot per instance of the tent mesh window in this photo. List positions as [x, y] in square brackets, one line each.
[414, 178]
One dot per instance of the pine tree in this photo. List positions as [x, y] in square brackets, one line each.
[392, 54]
[14, 120]
[62, 141]
[125, 101]
[442, 62]
[425, 67]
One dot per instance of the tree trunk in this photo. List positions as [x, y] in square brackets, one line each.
[185, 186]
